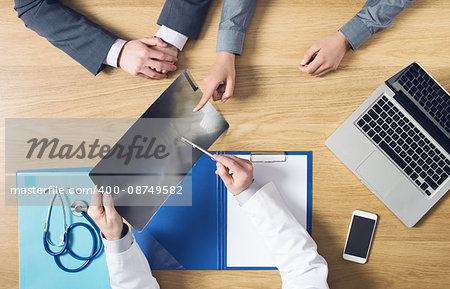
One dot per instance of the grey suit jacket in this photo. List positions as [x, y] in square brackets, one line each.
[87, 42]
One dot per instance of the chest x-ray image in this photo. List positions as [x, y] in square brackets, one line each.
[149, 162]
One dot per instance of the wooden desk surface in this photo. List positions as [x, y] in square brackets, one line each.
[275, 107]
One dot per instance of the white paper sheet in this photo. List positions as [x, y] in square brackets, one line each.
[245, 248]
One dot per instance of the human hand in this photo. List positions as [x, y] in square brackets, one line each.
[170, 50]
[325, 55]
[219, 80]
[143, 58]
[241, 175]
[102, 211]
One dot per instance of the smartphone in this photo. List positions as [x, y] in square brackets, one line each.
[359, 237]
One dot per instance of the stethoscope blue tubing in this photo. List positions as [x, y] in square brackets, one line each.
[97, 245]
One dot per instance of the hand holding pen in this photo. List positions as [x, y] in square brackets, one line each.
[236, 173]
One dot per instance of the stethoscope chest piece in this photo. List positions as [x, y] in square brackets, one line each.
[78, 207]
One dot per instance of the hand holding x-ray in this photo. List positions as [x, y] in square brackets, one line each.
[102, 211]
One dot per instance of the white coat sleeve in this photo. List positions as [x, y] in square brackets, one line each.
[128, 268]
[293, 249]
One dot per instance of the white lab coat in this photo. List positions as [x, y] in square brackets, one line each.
[293, 249]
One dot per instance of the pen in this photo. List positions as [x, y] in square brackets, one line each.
[183, 139]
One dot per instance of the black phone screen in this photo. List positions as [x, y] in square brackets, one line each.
[359, 237]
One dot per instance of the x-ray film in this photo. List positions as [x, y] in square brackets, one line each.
[149, 165]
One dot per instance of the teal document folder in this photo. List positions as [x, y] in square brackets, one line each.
[38, 269]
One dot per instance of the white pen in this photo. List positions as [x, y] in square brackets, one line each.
[183, 139]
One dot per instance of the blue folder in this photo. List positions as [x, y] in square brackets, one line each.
[191, 237]
[195, 236]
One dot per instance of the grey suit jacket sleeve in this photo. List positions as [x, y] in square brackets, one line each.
[81, 39]
[376, 15]
[184, 16]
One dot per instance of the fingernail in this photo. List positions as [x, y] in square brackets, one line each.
[303, 62]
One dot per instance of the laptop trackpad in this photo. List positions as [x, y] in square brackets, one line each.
[379, 173]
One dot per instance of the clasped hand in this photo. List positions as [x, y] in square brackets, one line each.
[149, 58]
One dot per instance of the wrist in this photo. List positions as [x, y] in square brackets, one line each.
[343, 39]
[120, 54]
[118, 246]
[116, 234]
[244, 188]
[226, 57]
[248, 193]
[112, 236]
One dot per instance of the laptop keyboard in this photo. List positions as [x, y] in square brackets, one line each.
[402, 141]
[428, 94]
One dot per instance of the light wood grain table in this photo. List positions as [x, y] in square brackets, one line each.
[275, 107]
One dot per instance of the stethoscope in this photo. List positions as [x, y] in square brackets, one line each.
[78, 208]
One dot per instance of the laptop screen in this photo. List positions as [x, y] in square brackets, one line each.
[425, 100]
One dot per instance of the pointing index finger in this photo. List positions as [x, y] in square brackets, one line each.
[205, 98]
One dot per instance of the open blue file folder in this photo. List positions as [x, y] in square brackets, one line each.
[213, 233]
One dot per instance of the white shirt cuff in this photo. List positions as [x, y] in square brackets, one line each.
[248, 193]
[119, 246]
[172, 37]
[113, 55]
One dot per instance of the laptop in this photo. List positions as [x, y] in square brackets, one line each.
[398, 143]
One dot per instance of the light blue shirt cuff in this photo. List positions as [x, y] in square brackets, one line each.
[230, 41]
[119, 246]
[248, 193]
[356, 32]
